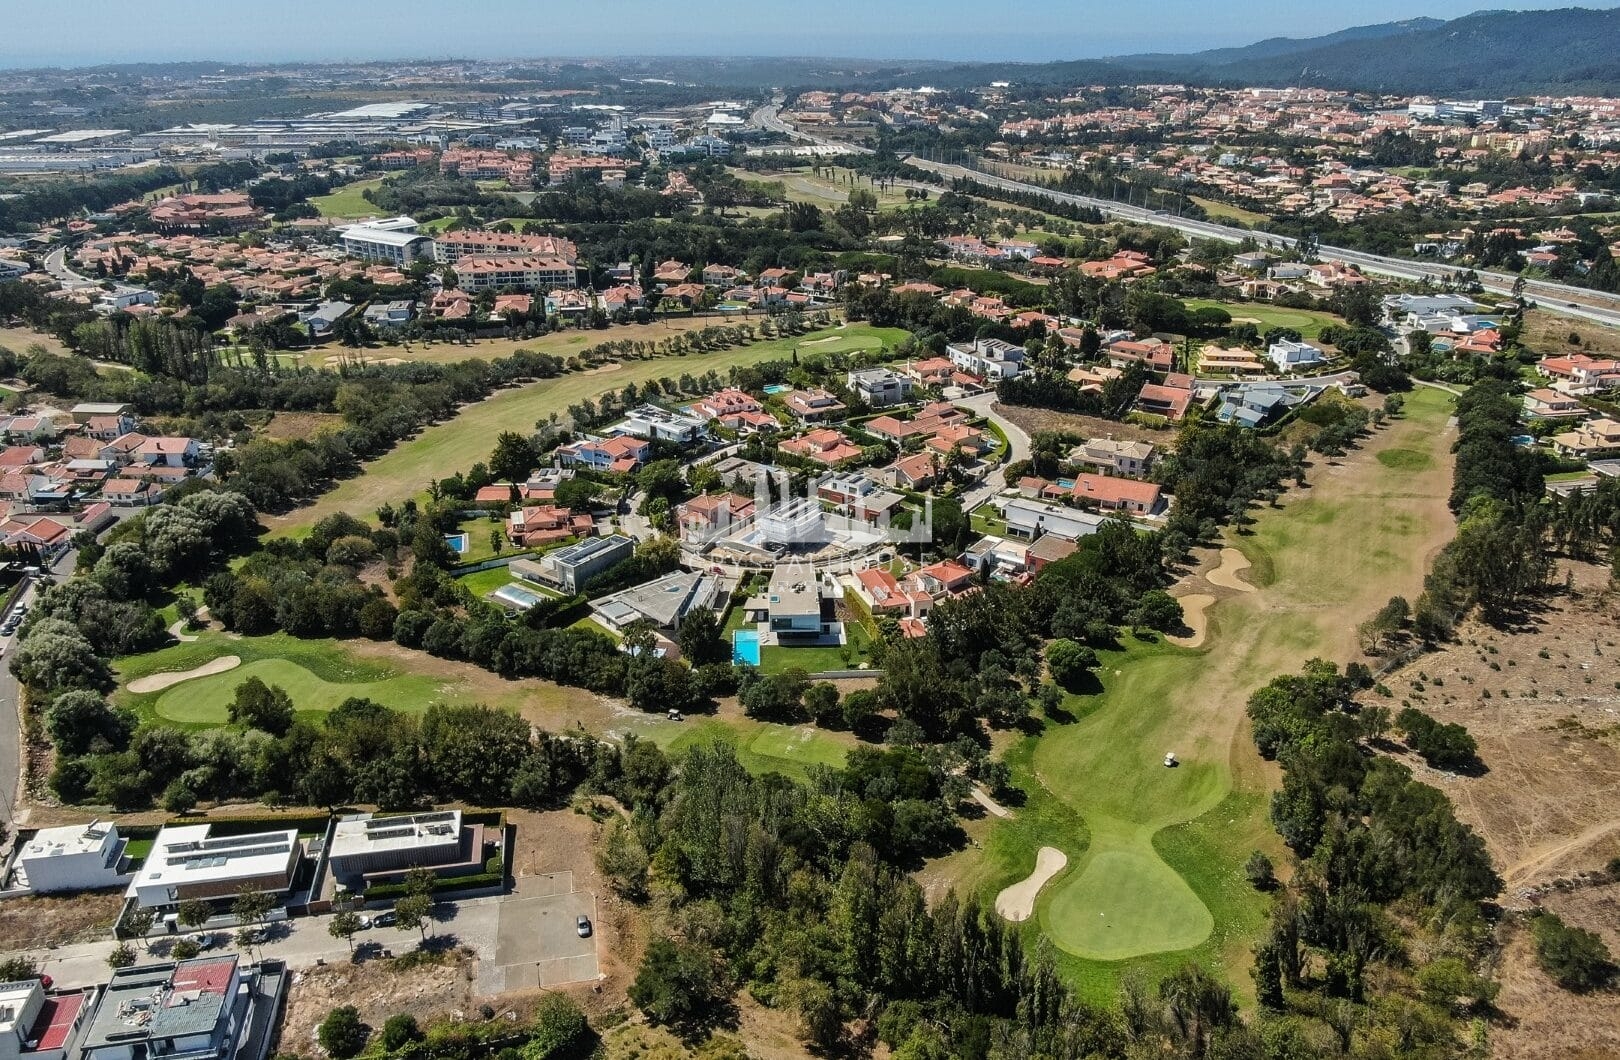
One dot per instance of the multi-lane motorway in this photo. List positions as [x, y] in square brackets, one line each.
[1572, 301]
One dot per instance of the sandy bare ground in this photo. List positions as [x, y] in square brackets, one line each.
[1225, 576]
[1193, 608]
[158, 682]
[1017, 902]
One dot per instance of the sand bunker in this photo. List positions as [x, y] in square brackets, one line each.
[1017, 902]
[1233, 563]
[158, 682]
[1193, 607]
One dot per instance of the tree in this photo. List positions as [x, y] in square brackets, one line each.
[1259, 871]
[1574, 957]
[559, 1029]
[80, 722]
[400, 1030]
[252, 906]
[1070, 663]
[138, 922]
[513, 457]
[194, 912]
[343, 926]
[261, 706]
[185, 949]
[676, 984]
[699, 637]
[1156, 610]
[179, 798]
[414, 912]
[122, 956]
[342, 1033]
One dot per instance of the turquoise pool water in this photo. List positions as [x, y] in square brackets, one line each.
[778, 388]
[745, 647]
[457, 543]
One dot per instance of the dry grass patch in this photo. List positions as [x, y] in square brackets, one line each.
[1032, 420]
[286, 426]
[48, 921]
[1540, 1020]
[428, 990]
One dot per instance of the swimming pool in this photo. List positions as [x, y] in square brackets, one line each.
[517, 595]
[457, 543]
[778, 388]
[745, 647]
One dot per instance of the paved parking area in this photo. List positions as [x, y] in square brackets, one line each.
[537, 942]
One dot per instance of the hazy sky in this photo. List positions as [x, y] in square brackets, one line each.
[73, 32]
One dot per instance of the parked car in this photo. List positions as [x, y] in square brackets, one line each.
[384, 919]
[583, 926]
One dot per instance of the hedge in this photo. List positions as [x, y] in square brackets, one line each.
[387, 891]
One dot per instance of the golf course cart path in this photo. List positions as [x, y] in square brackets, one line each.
[1233, 563]
[1017, 902]
[158, 682]
[983, 798]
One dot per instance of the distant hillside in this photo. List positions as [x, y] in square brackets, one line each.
[1491, 53]
[1278, 46]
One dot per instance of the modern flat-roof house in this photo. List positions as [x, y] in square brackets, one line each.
[575, 565]
[1028, 518]
[1288, 355]
[390, 314]
[86, 410]
[78, 857]
[987, 358]
[35, 1025]
[656, 424]
[665, 602]
[372, 848]
[202, 1009]
[374, 243]
[798, 608]
[880, 387]
[188, 861]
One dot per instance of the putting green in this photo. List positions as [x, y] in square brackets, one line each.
[1125, 902]
[204, 700]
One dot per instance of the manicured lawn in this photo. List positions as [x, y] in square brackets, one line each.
[462, 441]
[761, 747]
[773, 660]
[1307, 322]
[347, 200]
[1156, 854]
[317, 674]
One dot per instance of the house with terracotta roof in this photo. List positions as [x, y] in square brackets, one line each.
[1229, 360]
[1581, 373]
[884, 595]
[527, 527]
[1595, 439]
[914, 472]
[1545, 404]
[168, 452]
[1170, 399]
[813, 406]
[959, 438]
[942, 579]
[671, 271]
[131, 492]
[1116, 493]
[620, 455]
[824, 446]
[933, 371]
[46, 534]
[708, 512]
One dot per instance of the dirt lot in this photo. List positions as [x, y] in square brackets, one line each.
[1033, 420]
[1544, 704]
[1540, 1020]
[39, 923]
[1548, 332]
[285, 426]
[379, 989]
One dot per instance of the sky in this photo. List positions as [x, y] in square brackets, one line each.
[83, 32]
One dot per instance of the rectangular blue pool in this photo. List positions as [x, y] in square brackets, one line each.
[778, 388]
[457, 543]
[745, 647]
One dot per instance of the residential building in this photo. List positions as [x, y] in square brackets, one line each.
[477, 274]
[621, 455]
[1592, 440]
[1233, 360]
[1114, 456]
[321, 319]
[825, 446]
[539, 525]
[709, 512]
[370, 242]
[201, 1009]
[1255, 404]
[131, 492]
[799, 607]
[451, 247]
[36, 1025]
[1545, 404]
[1170, 399]
[1581, 373]
[656, 424]
[727, 402]
[665, 602]
[1030, 519]
[880, 387]
[78, 857]
[1288, 355]
[573, 566]
[390, 314]
[990, 359]
[86, 410]
[1156, 354]
[813, 406]
[883, 594]
[370, 848]
[1118, 493]
[914, 472]
[168, 452]
[190, 861]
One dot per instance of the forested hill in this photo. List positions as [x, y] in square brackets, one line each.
[1491, 54]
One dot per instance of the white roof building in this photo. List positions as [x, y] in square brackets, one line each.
[80, 857]
[188, 862]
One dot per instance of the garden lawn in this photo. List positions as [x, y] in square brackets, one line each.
[762, 747]
[1155, 873]
[317, 674]
[347, 201]
[465, 439]
[1308, 322]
